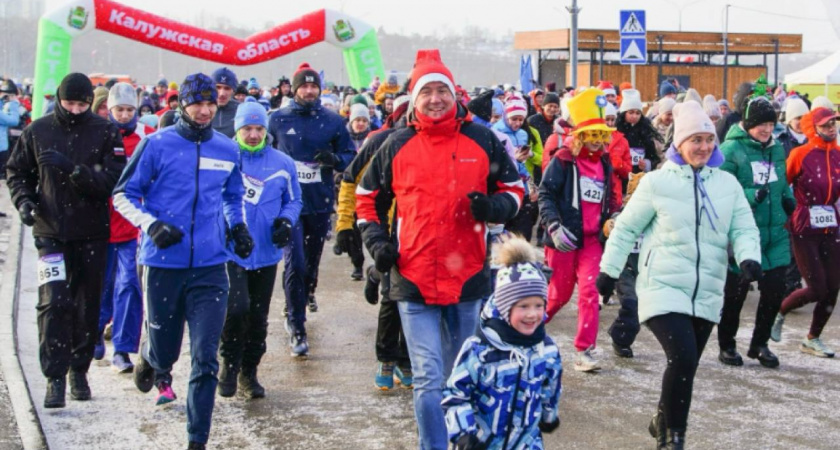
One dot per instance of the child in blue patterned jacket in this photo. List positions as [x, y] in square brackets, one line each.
[505, 386]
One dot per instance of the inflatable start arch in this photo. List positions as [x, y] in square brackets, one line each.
[58, 28]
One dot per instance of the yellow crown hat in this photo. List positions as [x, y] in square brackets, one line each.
[587, 111]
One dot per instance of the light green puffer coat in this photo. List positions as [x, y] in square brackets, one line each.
[683, 259]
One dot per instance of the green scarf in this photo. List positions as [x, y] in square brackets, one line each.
[250, 148]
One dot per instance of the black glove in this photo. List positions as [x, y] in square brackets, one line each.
[52, 158]
[605, 284]
[344, 241]
[761, 194]
[242, 241]
[789, 205]
[327, 158]
[27, 210]
[548, 427]
[281, 232]
[480, 206]
[165, 235]
[751, 271]
[467, 442]
[385, 257]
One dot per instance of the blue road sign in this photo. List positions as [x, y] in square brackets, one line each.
[632, 23]
[633, 50]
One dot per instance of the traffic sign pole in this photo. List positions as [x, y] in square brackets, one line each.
[633, 75]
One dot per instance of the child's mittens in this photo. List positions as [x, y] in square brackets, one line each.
[469, 442]
[548, 427]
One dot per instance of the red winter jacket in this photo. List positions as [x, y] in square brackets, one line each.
[619, 150]
[807, 167]
[428, 170]
[121, 229]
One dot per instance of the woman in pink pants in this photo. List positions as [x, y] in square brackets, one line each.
[576, 197]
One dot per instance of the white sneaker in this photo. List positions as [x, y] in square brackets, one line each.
[776, 331]
[816, 347]
[585, 362]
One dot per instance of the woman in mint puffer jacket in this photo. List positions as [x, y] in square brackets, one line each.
[683, 260]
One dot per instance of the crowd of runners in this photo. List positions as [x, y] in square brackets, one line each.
[152, 208]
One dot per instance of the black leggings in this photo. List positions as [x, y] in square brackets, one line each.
[772, 287]
[683, 338]
[246, 324]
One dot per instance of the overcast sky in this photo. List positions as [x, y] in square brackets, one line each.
[809, 18]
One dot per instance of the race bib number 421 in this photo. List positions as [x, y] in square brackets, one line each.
[51, 268]
[592, 191]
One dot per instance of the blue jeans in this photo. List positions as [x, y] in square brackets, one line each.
[434, 335]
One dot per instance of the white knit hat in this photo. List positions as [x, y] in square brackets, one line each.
[692, 95]
[666, 105]
[795, 107]
[610, 110]
[631, 99]
[690, 119]
[711, 106]
[122, 94]
[359, 110]
[822, 102]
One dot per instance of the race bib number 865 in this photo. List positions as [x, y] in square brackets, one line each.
[51, 268]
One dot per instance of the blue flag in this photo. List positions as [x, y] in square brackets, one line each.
[526, 74]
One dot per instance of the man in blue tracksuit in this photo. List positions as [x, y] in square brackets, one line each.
[318, 142]
[175, 188]
[272, 207]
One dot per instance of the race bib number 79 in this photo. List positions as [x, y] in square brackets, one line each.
[51, 268]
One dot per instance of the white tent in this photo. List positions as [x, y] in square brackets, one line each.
[825, 72]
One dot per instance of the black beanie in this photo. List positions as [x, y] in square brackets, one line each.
[757, 111]
[76, 87]
[551, 97]
[482, 105]
[303, 75]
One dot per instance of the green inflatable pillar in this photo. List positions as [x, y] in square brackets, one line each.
[364, 61]
[52, 62]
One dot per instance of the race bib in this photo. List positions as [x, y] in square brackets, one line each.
[253, 189]
[763, 172]
[636, 155]
[308, 172]
[51, 268]
[823, 216]
[637, 247]
[592, 191]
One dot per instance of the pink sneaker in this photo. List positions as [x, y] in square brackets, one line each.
[165, 394]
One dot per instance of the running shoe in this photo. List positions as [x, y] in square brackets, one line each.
[357, 274]
[816, 347]
[404, 376]
[299, 345]
[385, 376]
[585, 362]
[122, 363]
[165, 394]
[776, 331]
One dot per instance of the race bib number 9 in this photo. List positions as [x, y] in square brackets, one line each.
[823, 216]
[636, 155]
[592, 191]
[253, 189]
[763, 172]
[51, 268]
[308, 172]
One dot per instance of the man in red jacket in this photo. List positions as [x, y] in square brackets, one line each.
[121, 298]
[448, 178]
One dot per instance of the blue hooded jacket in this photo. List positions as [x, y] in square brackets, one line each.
[187, 178]
[499, 391]
[271, 191]
[302, 131]
[9, 117]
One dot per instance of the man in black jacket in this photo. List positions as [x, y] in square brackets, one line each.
[60, 174]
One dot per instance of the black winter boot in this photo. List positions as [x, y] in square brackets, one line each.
[55, 392]
[657, 430]
[676, 440]
[764, 356]
[227, 380]
[730, 357]
[196, 446]
[250, 385]
[79, 388]
[144, 375]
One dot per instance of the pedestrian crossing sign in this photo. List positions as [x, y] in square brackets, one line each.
[632, 23]
[633, 50]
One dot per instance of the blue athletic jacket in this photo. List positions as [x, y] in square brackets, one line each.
[271, 191]
[302, 132]
[187, 178]
[500, 392]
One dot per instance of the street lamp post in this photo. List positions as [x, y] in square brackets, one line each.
[573, 50]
